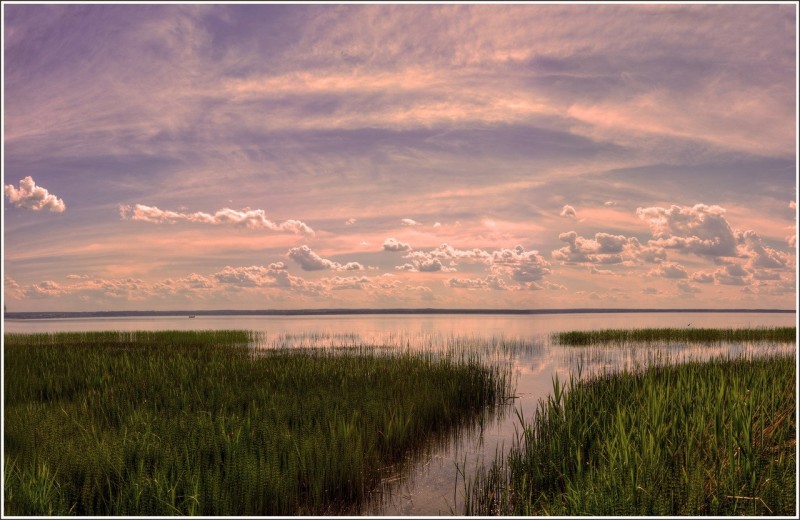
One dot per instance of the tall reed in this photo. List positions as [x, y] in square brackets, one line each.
[164, 423]
[712, 438]
[688, 334]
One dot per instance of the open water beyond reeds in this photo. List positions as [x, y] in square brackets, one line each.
[433, 482]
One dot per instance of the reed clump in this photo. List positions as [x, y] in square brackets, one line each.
[688, 334]
[163, 423]
[701, 438]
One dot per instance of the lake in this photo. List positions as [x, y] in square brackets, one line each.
[432, 485]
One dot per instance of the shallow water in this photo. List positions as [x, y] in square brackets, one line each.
[432, 484]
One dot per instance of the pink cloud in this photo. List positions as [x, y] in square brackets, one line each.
[521, 266]
[669, 270]
[605, 272]
[703, 277]
[490, 282]
[248, 218]
[568, 211]
[525, 267]
[308, 260]
[338, 283]
[702, 230]
[604, 248]
[761, 255]
[686, 288]
[392, 244]
[33, 197]
[732, 274]
[274, 275]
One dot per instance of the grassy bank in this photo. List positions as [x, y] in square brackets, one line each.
[714, 438]
[162, 423]
[688, 334]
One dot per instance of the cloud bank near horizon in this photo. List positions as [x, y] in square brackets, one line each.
[751, 265]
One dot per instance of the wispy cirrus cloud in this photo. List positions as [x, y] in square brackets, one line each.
[33, 197]
[248, 218]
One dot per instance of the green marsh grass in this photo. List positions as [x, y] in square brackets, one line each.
[200, 423]
[699, 438]
[688, 334]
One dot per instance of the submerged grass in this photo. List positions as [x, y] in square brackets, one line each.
[692, 335]
[702, 438]
[163, 423]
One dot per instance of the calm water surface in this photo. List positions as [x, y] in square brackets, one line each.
[431, 485]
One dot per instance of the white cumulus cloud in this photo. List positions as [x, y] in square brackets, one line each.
[490, 282]
[273, 275]
[703, 277]
[568, 211]
[339, 283]
[761, 255]
[604, 248]
[699, 229]
[33, 197]
[524, 266]
[669, 270]
[249, 218]
[308, 260]
[392, 244]
[686, 288]
[521, 266]
[732, 274]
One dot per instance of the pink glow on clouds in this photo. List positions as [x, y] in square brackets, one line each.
[443, 267]
[474, 147]
[611, 218]
[709, 119]
[249, 218]
[33, 197]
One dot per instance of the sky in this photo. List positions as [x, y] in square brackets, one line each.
[287, 156]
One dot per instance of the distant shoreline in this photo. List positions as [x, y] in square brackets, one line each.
[340, 312]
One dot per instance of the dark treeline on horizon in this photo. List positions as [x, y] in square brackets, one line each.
[323, 312]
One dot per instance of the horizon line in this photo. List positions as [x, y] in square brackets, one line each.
[367, 311]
